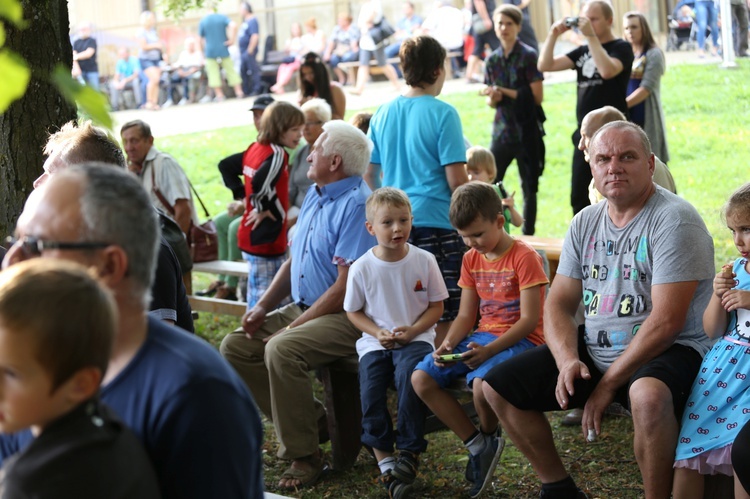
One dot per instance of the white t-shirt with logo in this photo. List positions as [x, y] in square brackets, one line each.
[394, 294]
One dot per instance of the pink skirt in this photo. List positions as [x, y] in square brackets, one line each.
[713, 462]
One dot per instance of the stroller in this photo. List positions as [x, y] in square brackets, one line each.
[682, 27]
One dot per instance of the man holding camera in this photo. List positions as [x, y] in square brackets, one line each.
[603, 66]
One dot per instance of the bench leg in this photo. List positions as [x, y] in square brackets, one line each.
[344, 416]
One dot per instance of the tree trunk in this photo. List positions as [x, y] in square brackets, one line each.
[25, 126]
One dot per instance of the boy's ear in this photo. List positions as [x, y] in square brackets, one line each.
[83, 384]
[368, 225]
[500, 220]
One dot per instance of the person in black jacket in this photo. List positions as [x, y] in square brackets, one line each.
[514, 89]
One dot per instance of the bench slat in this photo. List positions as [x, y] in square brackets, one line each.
[217, 306]
[222, 267]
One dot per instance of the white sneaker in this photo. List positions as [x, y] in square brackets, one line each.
[168, 103]
[205, 99]
[182, 102]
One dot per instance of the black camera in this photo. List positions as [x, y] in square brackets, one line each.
[571, 22]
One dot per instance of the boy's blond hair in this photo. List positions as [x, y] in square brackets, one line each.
[76, 328]
[481, 158]
[474, 200]
[385, 196]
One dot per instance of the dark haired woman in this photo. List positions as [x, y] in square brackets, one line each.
[644, 87]
[315, 81]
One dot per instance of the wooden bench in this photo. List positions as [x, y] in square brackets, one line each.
[215, 305]
[551, 246]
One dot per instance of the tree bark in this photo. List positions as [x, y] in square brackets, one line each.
[25, 126]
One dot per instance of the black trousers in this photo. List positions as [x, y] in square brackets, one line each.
[529, 173]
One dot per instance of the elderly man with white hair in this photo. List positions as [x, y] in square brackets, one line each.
[275, 348]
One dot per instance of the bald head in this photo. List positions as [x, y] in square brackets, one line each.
[593, 121]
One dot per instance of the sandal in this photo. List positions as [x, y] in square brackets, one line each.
[211, 289]
[307, 475]
[406, 467]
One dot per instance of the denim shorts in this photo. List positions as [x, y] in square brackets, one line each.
[148, 63]
[445, 375]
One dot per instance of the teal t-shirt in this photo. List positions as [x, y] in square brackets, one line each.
[414, 139]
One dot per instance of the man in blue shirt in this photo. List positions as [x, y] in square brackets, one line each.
[127, 74]
[406, 27]
[275, 348]
[248, 43]
[217, 33]
[196, 420]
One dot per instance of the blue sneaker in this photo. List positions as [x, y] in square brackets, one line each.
[483, 465]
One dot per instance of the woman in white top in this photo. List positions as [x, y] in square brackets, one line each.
[150, 58]
[371, 15]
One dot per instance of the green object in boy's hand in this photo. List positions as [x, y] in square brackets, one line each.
[451, 357]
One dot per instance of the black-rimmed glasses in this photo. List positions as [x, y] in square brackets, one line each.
[33, 247]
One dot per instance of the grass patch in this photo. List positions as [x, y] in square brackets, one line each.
[707, 111]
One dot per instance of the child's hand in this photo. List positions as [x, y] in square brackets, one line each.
[723, 282]
[444, 349]
[255, 217]
[509, 201]
[734, 299]
[235, 208]
[386, 339]
[476, 355]
[404, 334]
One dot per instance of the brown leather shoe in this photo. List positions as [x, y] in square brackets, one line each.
[226, 293]
[211, 289]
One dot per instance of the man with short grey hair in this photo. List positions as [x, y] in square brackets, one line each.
[275, 349]
[193, 414]
[642, 341]
[161, 175]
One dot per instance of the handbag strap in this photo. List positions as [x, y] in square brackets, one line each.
[199, 198]
[158, 193]
[163, 200]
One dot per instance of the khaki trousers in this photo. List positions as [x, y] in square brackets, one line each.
[277, 372]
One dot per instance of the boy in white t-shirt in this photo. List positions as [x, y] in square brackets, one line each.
[394, 294]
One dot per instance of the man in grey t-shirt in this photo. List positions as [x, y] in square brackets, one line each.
[642, 262]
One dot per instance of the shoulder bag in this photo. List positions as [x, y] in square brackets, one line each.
[202, 240]
[381, 31]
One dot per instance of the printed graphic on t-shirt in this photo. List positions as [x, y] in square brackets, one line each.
[589, 71]
[605, 262]
[500, 301]
[419, 287]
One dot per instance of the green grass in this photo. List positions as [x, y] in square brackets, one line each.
[707, 111]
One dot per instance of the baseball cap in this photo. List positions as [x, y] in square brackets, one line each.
[261, 102]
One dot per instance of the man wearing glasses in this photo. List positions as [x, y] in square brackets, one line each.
[193, 414]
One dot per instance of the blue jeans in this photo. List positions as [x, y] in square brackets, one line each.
[250, 74]
[376, 372]
[90, 78]
[706, 16]
[348, 56]
[392, 51]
